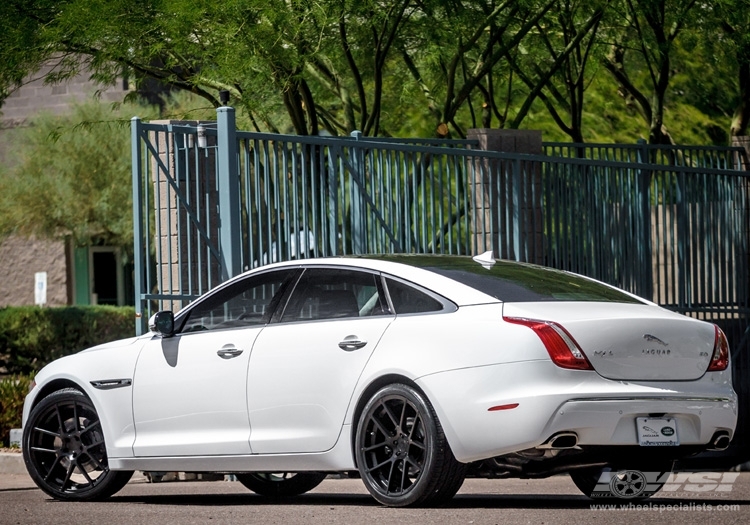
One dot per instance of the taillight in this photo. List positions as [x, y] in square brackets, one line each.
[560, 345]
[720, 358]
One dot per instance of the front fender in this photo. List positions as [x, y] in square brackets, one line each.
[104, 374]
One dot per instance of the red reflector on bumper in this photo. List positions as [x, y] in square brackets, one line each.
[502, 407]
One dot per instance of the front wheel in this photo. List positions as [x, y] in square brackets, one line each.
[281, 484]
[610, 482]
[402, 454]
[64, 451]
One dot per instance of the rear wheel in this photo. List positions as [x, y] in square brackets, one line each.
[281, 484]
[64, 450]
[402, 454]
[611, 482]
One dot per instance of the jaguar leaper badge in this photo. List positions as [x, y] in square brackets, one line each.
[653, 339]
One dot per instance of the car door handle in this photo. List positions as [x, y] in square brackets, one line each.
[351, 342]
[228, 352]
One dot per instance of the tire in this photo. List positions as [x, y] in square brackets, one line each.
[281, 484]
[626, 484]
[402, 454]
[64, 450]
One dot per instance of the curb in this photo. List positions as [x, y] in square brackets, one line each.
[12, 463]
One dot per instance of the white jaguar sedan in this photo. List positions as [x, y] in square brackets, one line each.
[412, 372]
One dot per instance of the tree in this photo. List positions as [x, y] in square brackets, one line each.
[569, 36]
[459, 52]
[650, 30]
[352, 61]
[72, 179]
[341, 65]
[326, 64]
[733, 18]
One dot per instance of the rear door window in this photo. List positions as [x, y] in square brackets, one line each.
[335, 293]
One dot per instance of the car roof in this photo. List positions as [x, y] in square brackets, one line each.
[403, 266]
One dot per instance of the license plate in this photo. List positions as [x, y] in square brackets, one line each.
[657, 432]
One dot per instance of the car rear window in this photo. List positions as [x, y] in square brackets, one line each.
[519, 282]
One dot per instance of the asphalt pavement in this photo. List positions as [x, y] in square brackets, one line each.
[721, 497]
[552, 500]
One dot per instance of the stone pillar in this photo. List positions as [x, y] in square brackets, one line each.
[743, 161]
[507, 192]
[744, 164]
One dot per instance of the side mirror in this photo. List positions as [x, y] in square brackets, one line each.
[162, 323]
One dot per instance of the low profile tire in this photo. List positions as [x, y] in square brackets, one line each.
[402, 454]
[625, 484]
[281, 484]
[64, 451]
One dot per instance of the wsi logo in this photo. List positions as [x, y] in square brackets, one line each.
[700, 482]
[631, 484]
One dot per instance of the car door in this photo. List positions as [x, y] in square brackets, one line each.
[190, 390]
[305, 365]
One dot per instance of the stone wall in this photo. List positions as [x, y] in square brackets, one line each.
[20, 259]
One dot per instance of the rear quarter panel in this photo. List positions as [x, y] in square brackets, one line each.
[415, 346]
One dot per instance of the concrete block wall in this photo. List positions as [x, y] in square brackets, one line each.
[20, 259]
[35, 96]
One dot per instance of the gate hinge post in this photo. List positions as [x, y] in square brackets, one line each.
[138, 223]
[229, 193]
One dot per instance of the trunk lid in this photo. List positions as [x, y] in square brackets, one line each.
[630, 342]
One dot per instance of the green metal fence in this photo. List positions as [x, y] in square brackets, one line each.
[228, 201]
[714, 157]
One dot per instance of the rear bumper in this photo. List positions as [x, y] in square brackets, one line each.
[613, 421]
[547, 400]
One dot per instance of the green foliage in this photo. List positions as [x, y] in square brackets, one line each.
[406, 67]
[71, 175]
[31, 337]
[13, 390]
[72, 178]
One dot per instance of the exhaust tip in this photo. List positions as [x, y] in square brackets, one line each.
[561, 441]
[720, 441]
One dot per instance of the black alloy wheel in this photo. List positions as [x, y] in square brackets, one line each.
[64, 450]
[281, 484]
[402, 454]
[622, 483]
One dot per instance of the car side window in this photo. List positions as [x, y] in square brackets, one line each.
[335, 293]
[408, 300]
[243, 304]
